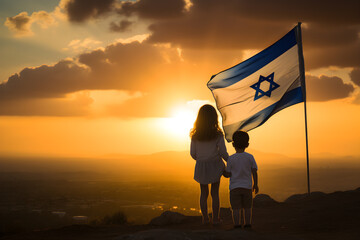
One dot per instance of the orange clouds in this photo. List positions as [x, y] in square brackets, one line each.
[326, 88]
[355, 76]
[161, 76]
[153, 9]
[122, 26]
[131, 67]
[118, 66]
[330, 33]
[186, 44]
[21, 24]
[45, 81]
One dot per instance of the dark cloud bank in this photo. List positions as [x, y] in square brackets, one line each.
[326, 88]
[83, 10]
[330, 30]
[129, 67]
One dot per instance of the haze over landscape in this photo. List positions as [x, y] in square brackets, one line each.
[100, 96]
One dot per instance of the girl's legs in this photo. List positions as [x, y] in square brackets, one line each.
[203, 202]
[215, 201]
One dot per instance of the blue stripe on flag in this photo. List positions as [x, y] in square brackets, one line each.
[248, 67]
[292, 97]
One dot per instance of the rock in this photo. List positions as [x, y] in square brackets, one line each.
[168, 218]
[317, 195]
[305, 196]
[263, 199]
[296, 198]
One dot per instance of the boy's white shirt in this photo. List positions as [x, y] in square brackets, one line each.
[240, 165]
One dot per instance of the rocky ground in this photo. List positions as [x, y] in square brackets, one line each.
[318, 216]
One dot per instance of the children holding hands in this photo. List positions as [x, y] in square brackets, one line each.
[209, 151]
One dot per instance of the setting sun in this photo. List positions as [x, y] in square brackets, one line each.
[181, 122]
[182, 118]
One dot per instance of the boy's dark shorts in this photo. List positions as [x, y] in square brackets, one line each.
[241, 198]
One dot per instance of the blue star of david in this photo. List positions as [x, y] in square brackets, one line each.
[260, 93]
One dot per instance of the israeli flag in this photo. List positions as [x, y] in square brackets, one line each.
[251, 92]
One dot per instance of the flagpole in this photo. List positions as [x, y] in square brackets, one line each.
[307, 150]
[302, 77]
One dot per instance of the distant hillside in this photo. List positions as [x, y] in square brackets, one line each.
[279, 175]
[170, 160]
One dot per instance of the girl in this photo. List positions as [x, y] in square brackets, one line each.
[208, 149]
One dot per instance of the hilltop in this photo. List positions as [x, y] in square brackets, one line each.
[318, 216]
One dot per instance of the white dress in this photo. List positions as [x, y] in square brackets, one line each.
[208, 155]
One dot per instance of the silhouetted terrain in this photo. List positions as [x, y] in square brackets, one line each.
[318, 216]
[48, 193]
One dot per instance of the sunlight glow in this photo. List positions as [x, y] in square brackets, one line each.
[182, 119]
[181, 122]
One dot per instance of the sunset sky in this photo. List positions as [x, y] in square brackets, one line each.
[92, 78]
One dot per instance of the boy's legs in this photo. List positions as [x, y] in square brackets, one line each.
[248, 214]
[236, 201]
[241, 203]
[236, 217]
[247, 208]
[215, 201]
[203, 202]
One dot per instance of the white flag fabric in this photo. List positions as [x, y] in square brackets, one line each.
[249, 93]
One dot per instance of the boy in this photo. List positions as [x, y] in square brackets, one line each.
[240, 167]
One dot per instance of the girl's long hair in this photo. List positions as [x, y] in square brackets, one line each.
[206, 126]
